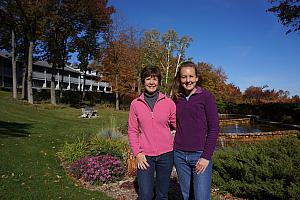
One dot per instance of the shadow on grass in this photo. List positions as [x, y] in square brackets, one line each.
[12, 129]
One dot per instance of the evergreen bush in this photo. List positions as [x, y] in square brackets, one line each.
[266, 170]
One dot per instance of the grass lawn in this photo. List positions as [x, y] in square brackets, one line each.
[30, 137]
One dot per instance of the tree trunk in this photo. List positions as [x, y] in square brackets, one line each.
[24, 85]
[29, 75]
[61, 85]
[2, 72]
[63, 61]
[117, 101]
[52, 85]
[83, 86]
[168, 67]
[177, 65]
[139, 84]
[24, 74]
[117, 93]
[14, 64]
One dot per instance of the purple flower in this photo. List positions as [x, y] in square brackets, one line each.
[101, 168]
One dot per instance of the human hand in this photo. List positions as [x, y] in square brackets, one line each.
[201, 165]
[173, 132]
[141, 161]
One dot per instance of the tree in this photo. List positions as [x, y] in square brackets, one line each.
[270, 95]
[135, 57]
[14, 63]
[169, 41]
[165, 51]
[295, 99]
[283, 95]
[152, 48]
[232, 94]
[288, 13]
[52, 37]
[183, 43]
[59, 30]
[213, 79]
[8, 30]
[121, 63]
[31, 15]
[254, 94]
[52, 23]
[93, 26]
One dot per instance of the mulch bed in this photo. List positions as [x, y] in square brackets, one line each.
[127, 188]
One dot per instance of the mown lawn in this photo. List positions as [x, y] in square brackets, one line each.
[30, 137]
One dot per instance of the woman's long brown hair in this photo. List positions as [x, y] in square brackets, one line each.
[176, 88]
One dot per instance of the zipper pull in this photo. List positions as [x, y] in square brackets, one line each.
[152, 115]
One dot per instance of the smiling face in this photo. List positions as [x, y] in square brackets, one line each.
[188, 79]
[151, 84]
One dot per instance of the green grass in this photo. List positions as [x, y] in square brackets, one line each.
[30, 137]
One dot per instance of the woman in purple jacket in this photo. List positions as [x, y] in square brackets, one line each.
[151, 116]
[196, 133]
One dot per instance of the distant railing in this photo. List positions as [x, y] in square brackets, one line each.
[43, 78]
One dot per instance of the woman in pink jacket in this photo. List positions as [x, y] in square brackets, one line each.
[151, 117]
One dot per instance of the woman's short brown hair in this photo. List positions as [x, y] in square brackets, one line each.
[150, 71]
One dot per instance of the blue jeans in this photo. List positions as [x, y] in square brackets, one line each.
[162, 165]
[185, 162]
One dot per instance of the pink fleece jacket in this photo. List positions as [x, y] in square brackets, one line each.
[149, 131]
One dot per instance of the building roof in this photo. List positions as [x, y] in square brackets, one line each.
[68, 67]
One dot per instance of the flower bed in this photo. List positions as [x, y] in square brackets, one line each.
[97, 169]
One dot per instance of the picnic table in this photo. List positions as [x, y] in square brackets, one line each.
[88, 112]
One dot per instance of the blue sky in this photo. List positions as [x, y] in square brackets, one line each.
[248, 43]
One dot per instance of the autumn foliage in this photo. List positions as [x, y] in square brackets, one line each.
[118, 52]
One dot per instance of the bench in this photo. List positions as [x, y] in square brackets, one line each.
[88, 112]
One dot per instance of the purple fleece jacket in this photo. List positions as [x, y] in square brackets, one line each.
[197, 123]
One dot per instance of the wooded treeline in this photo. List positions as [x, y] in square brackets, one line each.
[50, 30]
[53, 29]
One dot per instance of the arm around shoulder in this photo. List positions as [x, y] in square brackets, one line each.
[172, 114]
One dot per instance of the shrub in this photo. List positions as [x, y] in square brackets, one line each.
[123, 128]
[267, 170]
[287, 119]
[97, 169]
[109, 142]
[73, 151]
[281, 112]
[111, 134]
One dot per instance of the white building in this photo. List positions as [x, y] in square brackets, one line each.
[69, 78]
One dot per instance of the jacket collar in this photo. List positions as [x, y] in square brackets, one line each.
[160, 96]
[199, 90]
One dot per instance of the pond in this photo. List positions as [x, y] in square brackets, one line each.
[249, 128]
